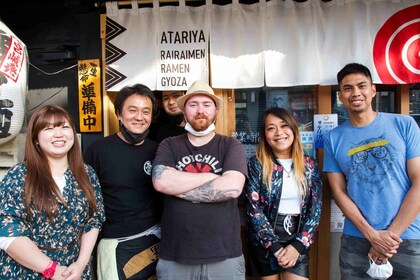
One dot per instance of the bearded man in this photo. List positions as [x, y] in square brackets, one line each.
[201, 175]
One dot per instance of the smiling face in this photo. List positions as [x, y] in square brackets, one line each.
[356, 93]
[169, 102]
[56, 141]
[136, 113]
[279, 136]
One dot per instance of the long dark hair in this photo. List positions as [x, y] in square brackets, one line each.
[40, 187]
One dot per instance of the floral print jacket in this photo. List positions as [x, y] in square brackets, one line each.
[60, 239]
[262, 206]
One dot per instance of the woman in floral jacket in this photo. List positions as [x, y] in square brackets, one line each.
[51, 206]
[283, 201]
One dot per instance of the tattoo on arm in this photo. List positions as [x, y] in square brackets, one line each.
[207, 194]
[157, 171]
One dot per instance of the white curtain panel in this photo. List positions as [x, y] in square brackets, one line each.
[291, 55]
[308, 43]
[138, 42]
[182, 46]
[276, 43]
[236, 46]
[347, 40]
[353, 31]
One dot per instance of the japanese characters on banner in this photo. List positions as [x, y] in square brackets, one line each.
[90, 105]
[13, 83]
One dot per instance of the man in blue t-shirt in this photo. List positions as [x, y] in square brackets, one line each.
[373, 165]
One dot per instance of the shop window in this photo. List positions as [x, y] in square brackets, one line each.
[415, 102]
[250, 105]
[384, 101]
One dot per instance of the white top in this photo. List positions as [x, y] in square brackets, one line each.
[290, 195]
[6, 241]
[61, 182]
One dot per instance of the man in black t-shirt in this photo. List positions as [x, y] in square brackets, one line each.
[128, 248]
[176, 122]
[201, 174]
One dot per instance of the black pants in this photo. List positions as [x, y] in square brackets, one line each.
[261, 263]
[137, 258]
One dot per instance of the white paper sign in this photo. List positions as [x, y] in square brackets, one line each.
[337, 218]
[323, 124]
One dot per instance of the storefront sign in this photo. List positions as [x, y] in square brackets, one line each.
[182, 46]
[182, 53]
[90, 106]
[271, 43]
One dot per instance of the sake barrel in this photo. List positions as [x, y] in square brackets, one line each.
[13, 83]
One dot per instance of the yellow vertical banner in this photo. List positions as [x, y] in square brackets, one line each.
[90, 103]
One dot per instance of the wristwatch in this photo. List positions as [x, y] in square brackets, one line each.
[49, 271]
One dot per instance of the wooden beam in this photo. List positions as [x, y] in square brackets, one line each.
[105, 97]
[226, 122]
[141, 2]
[323, 246]
[402, 99]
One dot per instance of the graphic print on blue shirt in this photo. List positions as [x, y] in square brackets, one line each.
[370, 161]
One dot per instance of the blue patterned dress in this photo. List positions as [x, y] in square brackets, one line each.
[64, 233]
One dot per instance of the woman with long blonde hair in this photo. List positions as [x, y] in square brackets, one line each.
[283, 201]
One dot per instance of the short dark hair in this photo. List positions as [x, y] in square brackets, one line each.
[353, 68]
[127, 91]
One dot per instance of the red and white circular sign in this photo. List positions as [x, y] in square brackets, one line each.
[396, 49]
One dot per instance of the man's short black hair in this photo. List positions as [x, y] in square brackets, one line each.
[127, 91]
[353, 68]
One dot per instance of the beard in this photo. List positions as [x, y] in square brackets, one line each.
[201, 122]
